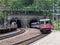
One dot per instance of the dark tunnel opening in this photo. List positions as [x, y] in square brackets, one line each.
[32, 21]
[18, 24]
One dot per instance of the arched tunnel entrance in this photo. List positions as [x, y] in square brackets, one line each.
[32, 21]
[18, 22]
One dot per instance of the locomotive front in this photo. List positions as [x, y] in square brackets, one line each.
[45, 25]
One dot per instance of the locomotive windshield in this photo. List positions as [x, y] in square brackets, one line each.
[47, 21]
[41, 22]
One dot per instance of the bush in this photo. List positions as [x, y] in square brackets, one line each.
[55, 24]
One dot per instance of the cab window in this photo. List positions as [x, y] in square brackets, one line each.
[41, 22]
[47, 22]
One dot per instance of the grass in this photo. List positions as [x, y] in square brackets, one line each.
[55, 24]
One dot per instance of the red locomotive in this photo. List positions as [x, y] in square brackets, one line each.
[45, 25]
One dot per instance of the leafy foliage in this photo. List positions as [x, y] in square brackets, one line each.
[39, 5]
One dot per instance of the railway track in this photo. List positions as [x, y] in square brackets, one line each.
[31, 40]
[12, 35]
[30, 36]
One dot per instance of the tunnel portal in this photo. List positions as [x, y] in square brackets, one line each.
[24, 20]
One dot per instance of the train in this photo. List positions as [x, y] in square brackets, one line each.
[35, 25]
[44, 25]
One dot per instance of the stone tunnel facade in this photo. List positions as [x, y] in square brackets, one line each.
[25, 19]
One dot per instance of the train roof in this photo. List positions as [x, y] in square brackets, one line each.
[44, 19]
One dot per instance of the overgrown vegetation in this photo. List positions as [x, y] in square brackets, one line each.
[41, 6]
